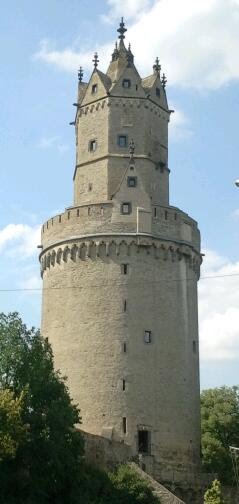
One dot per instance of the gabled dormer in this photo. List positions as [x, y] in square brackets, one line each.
[154, 86]
[98, 86]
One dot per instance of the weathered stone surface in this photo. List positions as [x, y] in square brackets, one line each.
[111, 276]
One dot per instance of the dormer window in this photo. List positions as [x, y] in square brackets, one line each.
[132, 181]
[157, 90]
[126, 208]
[126, 83]
[122, 140]
[94, 88]
[92, 145]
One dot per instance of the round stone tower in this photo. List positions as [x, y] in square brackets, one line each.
[120, 270]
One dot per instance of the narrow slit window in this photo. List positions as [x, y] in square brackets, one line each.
[90, 187]
[124, 347]
[125, 305]
[124, 269]
[94, 88]
[157, 92]
[68, 215]
[123, 384]
[147, 336]
[124, 425]
[155, 212]
[78, 212]
[166, 215]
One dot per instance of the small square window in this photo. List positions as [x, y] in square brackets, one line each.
[147, 336]
[126, 208]
[157, 92]
[94, 88]
[126, 83]
[132, 181]
[92, 145]
[122, 141]
[124, 269]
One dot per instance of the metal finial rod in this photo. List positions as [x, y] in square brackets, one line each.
[80, 74]
[157, 66]
[131, 148]
[95, 60]
[122, 29]
[164, 81]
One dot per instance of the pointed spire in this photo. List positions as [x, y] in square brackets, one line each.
[115, 54]
[157, 66]
[130, 57]
[164, 81]
[122, 29]
[95, 60]
[80, 74]
[131, 148]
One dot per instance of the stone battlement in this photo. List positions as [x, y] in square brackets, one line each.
[167, 222]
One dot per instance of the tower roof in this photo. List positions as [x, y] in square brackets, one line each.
[121, 57]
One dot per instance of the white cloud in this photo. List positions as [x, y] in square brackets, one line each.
[180, 128]
[219, 308]
[127, 8]
[19, 240]
[197, 41]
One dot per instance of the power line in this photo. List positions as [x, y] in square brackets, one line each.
[40, 289]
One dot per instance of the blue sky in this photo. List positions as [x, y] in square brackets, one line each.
[41, 46]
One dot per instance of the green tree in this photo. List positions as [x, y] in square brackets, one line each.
[47, 463]
[214, 495]
[220, 429]
[12, 429]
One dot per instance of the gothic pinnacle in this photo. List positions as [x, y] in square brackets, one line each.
[164, 81]
[157, 66]
[80, 74]
[122, 29]
[95, 60]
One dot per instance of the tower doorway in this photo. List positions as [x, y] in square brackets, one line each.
[144, 442]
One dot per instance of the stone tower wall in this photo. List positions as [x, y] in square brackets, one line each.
[85, 278]
[120, 271]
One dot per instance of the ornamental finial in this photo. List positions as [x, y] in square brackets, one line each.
[164, 81]
[80, 74]
[131, 148]
[157, 66]
[115, 53]
[122, 29]
[95, 60]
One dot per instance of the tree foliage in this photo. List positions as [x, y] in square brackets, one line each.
[47, 462]
[214, 495]
[41, 451]
[220, 429]
[12, 429]
[123, 486]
